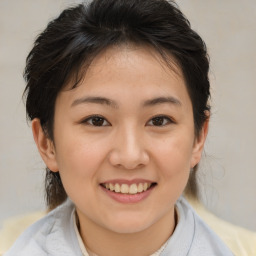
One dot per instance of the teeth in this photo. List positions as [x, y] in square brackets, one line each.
[126, 189]
[140, 187]
[111, 187]
[133, 189]
[117, 188]
[145, 186]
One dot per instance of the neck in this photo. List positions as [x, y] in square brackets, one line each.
[105, 242]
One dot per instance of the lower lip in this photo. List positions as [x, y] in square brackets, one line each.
[128, 198]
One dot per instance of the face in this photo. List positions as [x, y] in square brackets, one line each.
[124, 140]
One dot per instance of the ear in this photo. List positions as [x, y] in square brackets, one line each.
[45, 145]
[199, 144]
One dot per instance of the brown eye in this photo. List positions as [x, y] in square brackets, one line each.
[160, 121]
[96, 121]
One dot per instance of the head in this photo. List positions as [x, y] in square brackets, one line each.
[64, 53]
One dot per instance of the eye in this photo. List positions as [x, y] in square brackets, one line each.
[160, 121]
[96, 121]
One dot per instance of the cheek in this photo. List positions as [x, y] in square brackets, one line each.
[173, 159]
[175, 152]
[78, 162]
[78, 165]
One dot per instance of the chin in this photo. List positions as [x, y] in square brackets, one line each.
[128, 229]
[129, 226]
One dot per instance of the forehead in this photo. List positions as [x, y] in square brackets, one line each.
[123, 70]
[135, 60]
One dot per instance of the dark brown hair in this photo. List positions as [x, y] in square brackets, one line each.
[70, 42]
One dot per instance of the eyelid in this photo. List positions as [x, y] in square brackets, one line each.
[170, 120]
[85, 120]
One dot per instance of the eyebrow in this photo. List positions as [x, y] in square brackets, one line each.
[96, 100]
[162, 100]
[111, 103]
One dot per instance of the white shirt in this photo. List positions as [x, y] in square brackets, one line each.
[55, 235]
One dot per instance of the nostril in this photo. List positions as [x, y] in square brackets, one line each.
[128, 161]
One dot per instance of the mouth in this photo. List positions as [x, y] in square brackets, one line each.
[128, 189]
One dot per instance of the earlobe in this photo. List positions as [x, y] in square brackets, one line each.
[45, 145]
[199, 144]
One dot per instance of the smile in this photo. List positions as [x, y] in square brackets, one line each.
[131, 189]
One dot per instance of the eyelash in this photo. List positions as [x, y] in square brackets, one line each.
[167, 121]
[89, 121]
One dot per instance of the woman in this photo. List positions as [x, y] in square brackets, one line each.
[117, 92]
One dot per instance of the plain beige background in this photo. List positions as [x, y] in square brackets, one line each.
[228, 172]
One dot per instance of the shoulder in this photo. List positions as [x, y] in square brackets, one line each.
[238, 239]
[49, 235]
[193, 236]
[13, 227]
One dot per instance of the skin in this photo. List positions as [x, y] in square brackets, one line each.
[127, 146]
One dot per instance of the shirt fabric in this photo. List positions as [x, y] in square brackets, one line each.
[55, 235]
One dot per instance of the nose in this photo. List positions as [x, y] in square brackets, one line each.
[129, 150]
